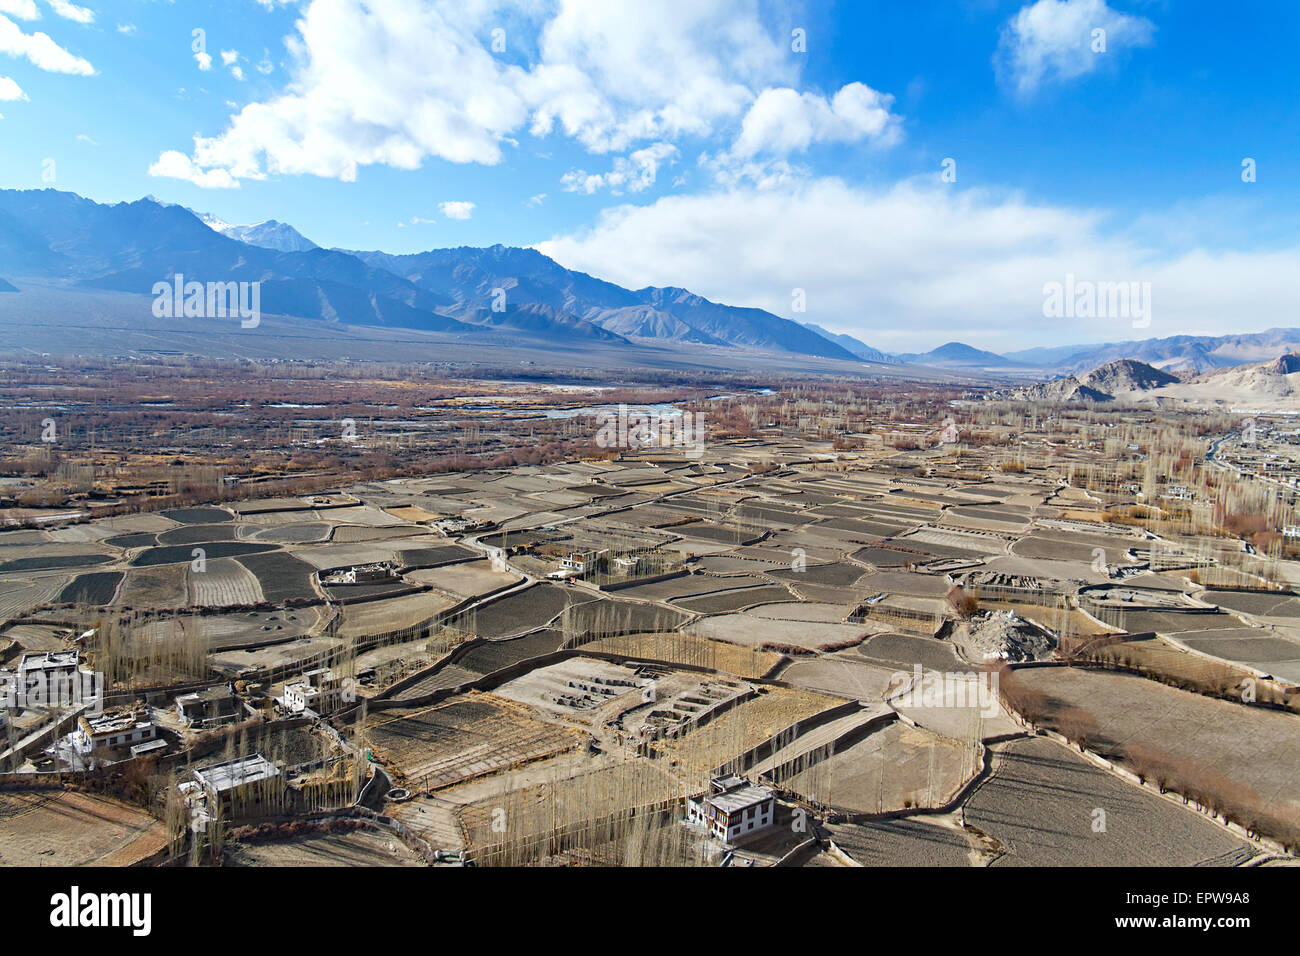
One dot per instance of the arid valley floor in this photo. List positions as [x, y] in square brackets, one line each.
[932, 625]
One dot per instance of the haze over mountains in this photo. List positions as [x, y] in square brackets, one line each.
[488, 295]
[1178, 353]
[128, 247]
[960, 355]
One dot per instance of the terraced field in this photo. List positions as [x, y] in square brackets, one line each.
[223, 583]
[1040, 805]
[185, 553]
[95, 589]
[281, 576]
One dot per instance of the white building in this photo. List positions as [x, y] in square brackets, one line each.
[733, 808]
[96, 736]
[578, 564]
[239, 788]
[321, 691]
[49, 679]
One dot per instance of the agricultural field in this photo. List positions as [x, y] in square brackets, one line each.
[392, 613]
[1040, 805]
[676, 647]
[1244, 754]
[898, 767]
[663, 622]
[448, 743]
[222, 583]
[912, 842]
[360, 847]
[67, 828]
[94, 589]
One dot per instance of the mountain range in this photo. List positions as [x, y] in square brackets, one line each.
[128, 247]
[960, 355]
[1178, 353]
[1273, 385]
[1120, 379]
[856, 346]
[271, 234]
[495, 295]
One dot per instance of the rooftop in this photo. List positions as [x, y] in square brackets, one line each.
[740, 798]
[234, 773]
[49, 659]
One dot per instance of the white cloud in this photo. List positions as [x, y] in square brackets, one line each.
[783, 121]
[535, 201]
[456, 210]
[83, 138]
[398, 82]
[71, 11]
[417, 221]
[176, 165]
[614, 74]
[127, 29]
[204, 60]
[10, 91]
[230, 59]
[912, 266]
[1052, 40]
[40, 50]
[22, 9]
[632, 173]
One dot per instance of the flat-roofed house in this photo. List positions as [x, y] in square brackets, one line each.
[732, 808]
[320, 691]
[98, 736]
[52, 679]
[209, 706]
[243, 787]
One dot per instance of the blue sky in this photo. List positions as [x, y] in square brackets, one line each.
[688, 143]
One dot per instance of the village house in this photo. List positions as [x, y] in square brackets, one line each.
[733, 808]
[321, 691]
